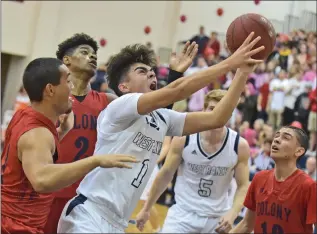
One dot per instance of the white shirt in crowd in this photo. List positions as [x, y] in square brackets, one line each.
[277, 89]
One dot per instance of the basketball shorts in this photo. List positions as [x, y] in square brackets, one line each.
[80, 216]
[180, 221]
[148, 186]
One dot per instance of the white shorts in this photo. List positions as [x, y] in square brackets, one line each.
[181, 221]
[79, 216]
[148, 186]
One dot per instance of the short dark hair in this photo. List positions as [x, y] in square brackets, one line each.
[120, 63]
[301, 136]
[38, 74]
[68, 46]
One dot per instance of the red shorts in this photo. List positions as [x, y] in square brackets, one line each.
[55, 213]
[12, 226]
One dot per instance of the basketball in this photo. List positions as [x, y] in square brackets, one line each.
[242, 26]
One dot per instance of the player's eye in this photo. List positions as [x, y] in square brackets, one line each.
[84, 52]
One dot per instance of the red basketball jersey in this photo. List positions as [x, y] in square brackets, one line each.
[26, 209]
[80, 142]
[282, 207]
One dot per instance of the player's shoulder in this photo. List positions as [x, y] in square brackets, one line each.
[263, 174]
[36, 136]
[98, 96]
[305, 180]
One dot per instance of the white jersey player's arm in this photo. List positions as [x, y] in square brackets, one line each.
[165, 149]
[184, 87]
[246, 225]
[165, 175]
[242, 173]
[202, 121]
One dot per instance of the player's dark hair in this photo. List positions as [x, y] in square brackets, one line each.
[120, 63]
[38, 74]
[68, 46]
[301, 136]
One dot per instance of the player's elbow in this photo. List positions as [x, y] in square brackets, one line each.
[41, 185]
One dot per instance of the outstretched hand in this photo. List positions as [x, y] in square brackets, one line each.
[182, 61]
[242, 56]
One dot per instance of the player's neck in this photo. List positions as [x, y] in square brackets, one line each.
[283, 169]
[81, 84]
[214, 136]
[46, 110]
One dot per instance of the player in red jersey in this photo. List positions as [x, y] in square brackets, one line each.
[29, 174]
[281, 200]
[79, 54]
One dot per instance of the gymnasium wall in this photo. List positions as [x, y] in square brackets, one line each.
[34, 28]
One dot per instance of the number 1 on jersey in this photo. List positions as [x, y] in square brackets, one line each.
[138, 180]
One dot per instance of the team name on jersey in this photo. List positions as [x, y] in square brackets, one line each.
[275, 210]
[207, 169]
[145, 142]
[85, 122]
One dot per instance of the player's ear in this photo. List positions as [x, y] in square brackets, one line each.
[66, 60]
[299, 151]
[123, 87]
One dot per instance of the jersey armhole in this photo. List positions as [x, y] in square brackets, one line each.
[236, 143]
[187, 141]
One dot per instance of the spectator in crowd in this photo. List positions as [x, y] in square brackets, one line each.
[294, 88]
[214, 43]
[301, 107]
[262, 161]
[312, 121]
[201, 39]
[311, 167]
[276, 99]
[22, 99]
[248, 104]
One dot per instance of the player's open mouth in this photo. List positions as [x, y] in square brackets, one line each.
[274, 148]
[153, 86]
[93, 63]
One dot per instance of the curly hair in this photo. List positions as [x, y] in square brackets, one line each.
[120, 63]
[68, 46]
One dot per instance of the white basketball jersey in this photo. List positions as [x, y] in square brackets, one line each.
[204, 179]
[121, 130]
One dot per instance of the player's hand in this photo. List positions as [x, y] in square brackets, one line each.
[115, 160]
[242, 56]
[142, 217]
[225, 224]
[66, 122]
[181, 62]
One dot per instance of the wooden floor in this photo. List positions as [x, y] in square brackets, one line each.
[162, 210]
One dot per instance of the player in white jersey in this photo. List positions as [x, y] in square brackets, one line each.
[206, 164]
[136, 124]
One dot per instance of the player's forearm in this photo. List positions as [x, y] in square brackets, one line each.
[239, 199]
[202, 121]
[242, 227]
[53, 177]
[160, 184]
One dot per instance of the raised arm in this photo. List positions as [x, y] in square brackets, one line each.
[241, 172]
[184, 87]
[163, 178]
[202, 121]
[36, 152]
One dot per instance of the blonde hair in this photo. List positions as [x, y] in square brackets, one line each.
[214, 95]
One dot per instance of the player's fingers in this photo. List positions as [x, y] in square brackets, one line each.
[248, 39]
[253, 43]
[190, 49]
[254, 61]
[185, 47]
[127, 159]
[194, 52]
[122, 165]
[255, 51]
